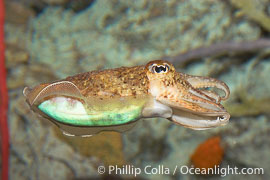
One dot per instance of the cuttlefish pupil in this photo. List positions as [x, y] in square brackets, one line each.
[115, 99]
[159, 68]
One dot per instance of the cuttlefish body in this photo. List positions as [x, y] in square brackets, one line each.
[114, 99]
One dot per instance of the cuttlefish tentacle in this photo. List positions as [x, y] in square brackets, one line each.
[197, 122]
[205, 82]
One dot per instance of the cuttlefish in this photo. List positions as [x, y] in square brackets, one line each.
[115, 99]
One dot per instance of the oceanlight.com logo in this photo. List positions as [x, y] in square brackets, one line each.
[163, 170]
[222, 171]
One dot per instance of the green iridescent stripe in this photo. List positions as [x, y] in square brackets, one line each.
[105, 118]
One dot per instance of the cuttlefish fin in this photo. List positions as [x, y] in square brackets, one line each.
[61, 88]
[86, 131]
[205, 82]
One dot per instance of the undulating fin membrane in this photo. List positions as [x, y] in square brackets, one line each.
[86, 131]
[35, 96]
[62, 88]
[31, 93]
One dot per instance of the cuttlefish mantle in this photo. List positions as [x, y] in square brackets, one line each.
[115, 99]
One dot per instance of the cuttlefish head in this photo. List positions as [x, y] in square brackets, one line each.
[192, 105]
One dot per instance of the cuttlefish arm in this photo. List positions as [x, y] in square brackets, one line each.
[199, 82]
[192, 107]
[195, 112]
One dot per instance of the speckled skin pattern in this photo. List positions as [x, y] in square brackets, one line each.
[123, 81]
[171, 86]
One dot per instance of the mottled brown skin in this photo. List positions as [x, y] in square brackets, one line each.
[123, 81]
[134, 81]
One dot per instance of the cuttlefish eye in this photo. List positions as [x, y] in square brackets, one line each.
[160, 68]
